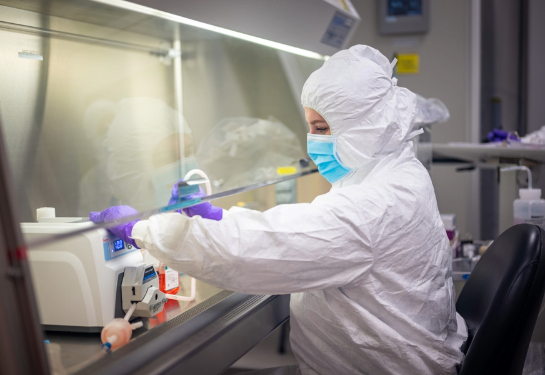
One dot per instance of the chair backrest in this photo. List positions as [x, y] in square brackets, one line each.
[500, 302]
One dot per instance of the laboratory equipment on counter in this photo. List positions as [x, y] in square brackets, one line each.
[529, 208]
[76, 280]
[141, 287]
[140, 297]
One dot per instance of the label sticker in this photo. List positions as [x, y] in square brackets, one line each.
[283, 171]
[338, 30]
[171, 279]
[408, 63]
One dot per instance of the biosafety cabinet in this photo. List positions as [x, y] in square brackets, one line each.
[106, 103]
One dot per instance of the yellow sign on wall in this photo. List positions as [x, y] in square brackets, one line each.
[408, 63]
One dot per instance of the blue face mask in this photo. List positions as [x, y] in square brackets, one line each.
[321, 149]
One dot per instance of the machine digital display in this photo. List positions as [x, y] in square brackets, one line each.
[149, 274]
[404, 7]
[118, 245]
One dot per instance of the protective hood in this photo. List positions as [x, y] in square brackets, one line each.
[370, 115]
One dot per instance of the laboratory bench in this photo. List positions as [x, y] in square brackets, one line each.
[204, 336]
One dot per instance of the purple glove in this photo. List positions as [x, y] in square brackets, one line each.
[123, 230]
[498, 135]
[204, 210]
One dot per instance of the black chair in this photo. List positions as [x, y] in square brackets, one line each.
[501, 300]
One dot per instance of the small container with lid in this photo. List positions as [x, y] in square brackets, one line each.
[529, 208]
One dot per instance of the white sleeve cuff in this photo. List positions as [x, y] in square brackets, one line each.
[139, 232]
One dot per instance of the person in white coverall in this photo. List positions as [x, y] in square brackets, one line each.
[368, 265]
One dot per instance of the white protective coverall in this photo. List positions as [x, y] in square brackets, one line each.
[368, 264]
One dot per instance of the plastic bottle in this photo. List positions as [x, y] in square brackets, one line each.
[169, 280]
[529, 208]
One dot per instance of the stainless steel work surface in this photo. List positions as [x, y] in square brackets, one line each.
[204, 343]
[79, 347]
[219, 324]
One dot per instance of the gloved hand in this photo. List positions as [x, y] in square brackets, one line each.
[123, 230]
[498, 135]
[204, 210]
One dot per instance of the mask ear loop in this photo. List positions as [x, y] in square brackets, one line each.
[337, 157]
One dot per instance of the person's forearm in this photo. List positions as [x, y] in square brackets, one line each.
[275, 252]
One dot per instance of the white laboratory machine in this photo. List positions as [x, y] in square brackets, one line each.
[77, 281]
[141, 287]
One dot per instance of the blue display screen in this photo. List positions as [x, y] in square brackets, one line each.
[118, 245]
[404, 7]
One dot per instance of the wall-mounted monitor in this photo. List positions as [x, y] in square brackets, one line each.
[398, 17]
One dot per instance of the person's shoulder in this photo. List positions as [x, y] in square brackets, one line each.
[409, 173]
[406, 183]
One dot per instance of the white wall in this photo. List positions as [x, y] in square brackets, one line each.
[443, 74]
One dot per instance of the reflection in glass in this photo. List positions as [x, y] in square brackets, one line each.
[150, 148]
[93, 191]
[242, 151]
[80, 123]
